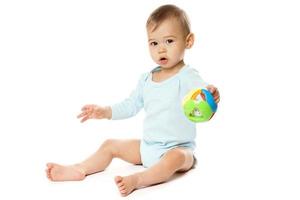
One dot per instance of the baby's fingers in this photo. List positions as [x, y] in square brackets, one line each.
[217, 100]
[215, 92]
[212, 89]
[81, 114]
[216, 96]
[87, 107]
[85, 118]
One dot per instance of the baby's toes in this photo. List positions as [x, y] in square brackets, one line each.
[123, 192]
[122, 189]
[48, 174]
[118, 180]
[120, 184]
[50, 165]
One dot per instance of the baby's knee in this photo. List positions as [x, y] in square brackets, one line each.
[112, 146]
[176, 156]
[108, 144]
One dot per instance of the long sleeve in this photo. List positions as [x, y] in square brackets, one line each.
[131, 105]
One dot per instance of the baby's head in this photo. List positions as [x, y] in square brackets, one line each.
[169, 34]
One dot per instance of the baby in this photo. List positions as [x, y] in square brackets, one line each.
[168, 138]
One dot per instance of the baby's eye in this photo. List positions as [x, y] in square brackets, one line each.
[169, 41]
[153, 43]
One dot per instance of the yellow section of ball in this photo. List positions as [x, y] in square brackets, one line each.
[189, 95]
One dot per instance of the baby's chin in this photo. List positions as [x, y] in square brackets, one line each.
[165, 64]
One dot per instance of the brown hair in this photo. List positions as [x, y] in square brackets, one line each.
[168, 11]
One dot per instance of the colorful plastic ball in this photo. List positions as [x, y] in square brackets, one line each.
[199, 105]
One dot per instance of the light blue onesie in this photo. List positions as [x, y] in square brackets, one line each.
[165, 125]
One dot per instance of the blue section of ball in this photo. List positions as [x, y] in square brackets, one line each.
[210, 100]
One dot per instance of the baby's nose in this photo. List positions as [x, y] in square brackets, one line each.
[162, 48]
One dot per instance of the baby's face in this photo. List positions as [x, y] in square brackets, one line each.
[167, 43]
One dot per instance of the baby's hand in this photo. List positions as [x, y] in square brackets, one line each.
[215, 92]
[92, 111]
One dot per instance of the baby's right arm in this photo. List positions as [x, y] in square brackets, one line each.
[125, 109]
[130, 106]
[92, 111]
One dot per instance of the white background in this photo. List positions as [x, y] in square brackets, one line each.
[56, 56]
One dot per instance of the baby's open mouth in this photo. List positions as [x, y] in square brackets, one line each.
[163, 60]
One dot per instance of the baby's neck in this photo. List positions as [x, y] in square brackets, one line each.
[173, 70]
[165, 73]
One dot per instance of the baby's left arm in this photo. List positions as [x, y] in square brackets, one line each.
[215, 92]
[192, 80]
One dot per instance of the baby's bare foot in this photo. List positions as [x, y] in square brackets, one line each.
[56, 172]
[126, 184]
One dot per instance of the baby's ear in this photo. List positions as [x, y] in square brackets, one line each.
[190, 40]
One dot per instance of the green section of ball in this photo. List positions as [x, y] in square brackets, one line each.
[197, 111]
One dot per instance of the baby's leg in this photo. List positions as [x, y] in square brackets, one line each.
[175, 160]
[128, 150]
